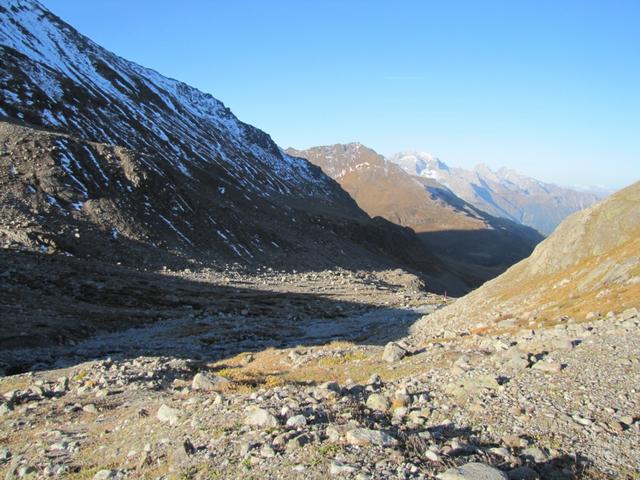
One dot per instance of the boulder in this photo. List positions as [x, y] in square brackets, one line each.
[259, 417]
[377, 401]
[168, 415]
[365, 437]
[203, 381]
[393, 352]
[296, 421]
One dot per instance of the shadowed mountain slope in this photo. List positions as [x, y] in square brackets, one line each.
[103, 158]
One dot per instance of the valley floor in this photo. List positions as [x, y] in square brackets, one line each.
[301, 375]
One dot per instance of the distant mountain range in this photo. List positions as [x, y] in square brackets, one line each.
[503, 193]
[470, 241]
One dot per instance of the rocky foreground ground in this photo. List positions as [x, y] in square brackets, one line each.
[288, 386]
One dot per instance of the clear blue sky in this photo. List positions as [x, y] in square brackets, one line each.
[551, 88]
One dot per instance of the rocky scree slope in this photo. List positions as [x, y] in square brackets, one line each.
[588, 268]
[536, 405]
[474, 243]
[504, 193]
[104, 158]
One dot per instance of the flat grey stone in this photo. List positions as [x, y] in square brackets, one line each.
[473, 471]
[364, 436]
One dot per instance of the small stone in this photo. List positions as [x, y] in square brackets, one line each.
[168, 415]
[629, 313]
[36, 390]
[267, 451]
[333, 435]
[547, 367]
[5, 455]
[374, 380]
[377, 401]
[298, 441]
[393, 352]
[514, 441]
[473, 471]
[500, 452]
[516, 361]
[259, 417]
[90, 408]
[296, 421]
[432, 456]
[106, 475]
[582, 421]
[246, 447]
[401, 412]
[338, 468]
[627, 420]
[182, 453]
[535, 454]
[11, 396]
[25, 470]
[364, 436]
[331, 386]
[102, 393]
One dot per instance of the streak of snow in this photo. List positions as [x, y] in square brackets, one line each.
[173, 227]
[51, 200]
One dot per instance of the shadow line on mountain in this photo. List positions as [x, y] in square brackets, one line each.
[51, 304]
[477, 256]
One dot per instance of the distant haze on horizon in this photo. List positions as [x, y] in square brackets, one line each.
[549, 89]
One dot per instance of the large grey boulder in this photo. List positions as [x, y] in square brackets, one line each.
[259, 417]
[377, 401]
[393, 352]
[203, 381]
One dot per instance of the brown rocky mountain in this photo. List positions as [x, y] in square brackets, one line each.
[476, 244]
[588, 267]
[103, 158]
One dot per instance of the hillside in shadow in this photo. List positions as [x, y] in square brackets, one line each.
[51, 305]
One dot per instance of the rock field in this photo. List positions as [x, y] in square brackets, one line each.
[346, 395]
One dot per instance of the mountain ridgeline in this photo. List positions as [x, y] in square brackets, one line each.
[104, 158]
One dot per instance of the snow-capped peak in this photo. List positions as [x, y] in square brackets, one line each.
[422, 164]
[45, 60]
